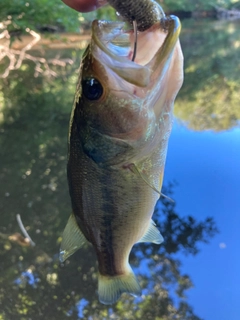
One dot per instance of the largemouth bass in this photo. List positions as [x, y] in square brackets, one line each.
[119, 130]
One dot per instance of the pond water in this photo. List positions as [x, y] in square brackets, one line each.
[194, 274]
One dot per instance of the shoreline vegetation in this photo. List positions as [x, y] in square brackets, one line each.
[50, 16]
[216, 13]
[18, 33]
[48, 48]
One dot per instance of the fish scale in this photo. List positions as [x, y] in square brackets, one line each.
[118, 137]
[109, 191]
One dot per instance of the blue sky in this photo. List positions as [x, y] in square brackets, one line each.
[206, 166]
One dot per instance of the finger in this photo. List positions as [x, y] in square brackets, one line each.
[84, 5]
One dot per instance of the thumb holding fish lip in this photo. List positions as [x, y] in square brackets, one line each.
[85, 5]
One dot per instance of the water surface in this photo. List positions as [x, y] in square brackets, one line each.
[194, 274]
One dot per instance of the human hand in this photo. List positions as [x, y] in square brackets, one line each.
[85, 5]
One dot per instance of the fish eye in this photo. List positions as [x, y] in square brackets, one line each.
[92, 88]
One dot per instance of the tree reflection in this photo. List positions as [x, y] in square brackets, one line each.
[209, 98]
[33, 285]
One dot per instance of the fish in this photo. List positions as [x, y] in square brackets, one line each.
[118, 136]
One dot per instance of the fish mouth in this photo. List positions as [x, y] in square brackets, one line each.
[113, 46]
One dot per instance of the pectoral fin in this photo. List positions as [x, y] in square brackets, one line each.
[152, 234]
[72, 240]
[135, 169]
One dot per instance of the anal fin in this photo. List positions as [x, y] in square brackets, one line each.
[72, 240]
[152, 234]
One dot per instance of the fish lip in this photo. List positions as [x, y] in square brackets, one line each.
[105, 48]
[106, 36]
[103, 32]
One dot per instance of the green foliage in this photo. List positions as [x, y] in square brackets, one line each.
[209, 97]
[193, 5]
[104, 13]
[37, 13]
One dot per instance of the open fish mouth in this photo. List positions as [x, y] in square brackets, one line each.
[113, 46]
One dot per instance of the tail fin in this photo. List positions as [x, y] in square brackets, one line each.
[110, 288]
